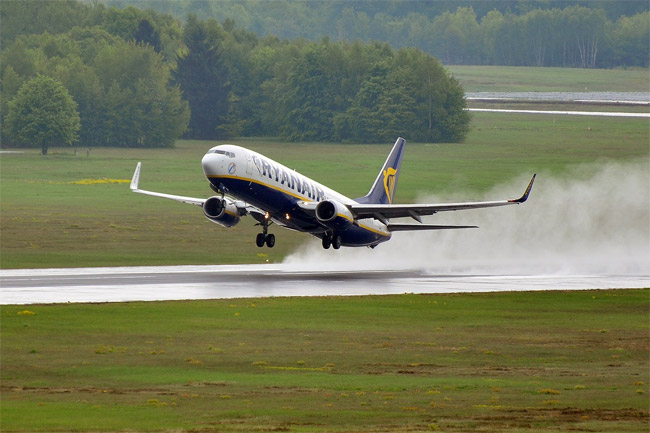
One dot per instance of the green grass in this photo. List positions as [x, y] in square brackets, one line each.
[51, 217]
[507, 362]
[530, 79]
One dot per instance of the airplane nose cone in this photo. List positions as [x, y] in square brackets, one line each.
[212, 164]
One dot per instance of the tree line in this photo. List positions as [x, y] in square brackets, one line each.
[571, 37]
[140, 78]
[564, 33]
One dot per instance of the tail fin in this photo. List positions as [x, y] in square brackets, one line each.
[383, 190]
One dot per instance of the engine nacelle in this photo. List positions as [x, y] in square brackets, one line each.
[334, 214]
[221, 211]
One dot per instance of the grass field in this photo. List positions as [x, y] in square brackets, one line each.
[530, 79]
[67, 210]
[508, 362]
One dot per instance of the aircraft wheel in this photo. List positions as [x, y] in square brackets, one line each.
[327, 242]
[270, 240]
[260, 240]
[336, 242]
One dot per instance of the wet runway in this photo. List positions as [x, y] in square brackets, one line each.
[247, 281]
[605, 98]
[567, 113]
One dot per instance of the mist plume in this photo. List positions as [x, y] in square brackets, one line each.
[593, 219]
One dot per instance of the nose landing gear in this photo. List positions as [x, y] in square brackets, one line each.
[268, 239]
[265, 237]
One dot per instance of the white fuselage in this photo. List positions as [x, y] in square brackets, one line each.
[270, 186]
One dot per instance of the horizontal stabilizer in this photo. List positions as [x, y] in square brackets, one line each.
[409, 227]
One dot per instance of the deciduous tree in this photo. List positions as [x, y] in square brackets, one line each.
[43, 114]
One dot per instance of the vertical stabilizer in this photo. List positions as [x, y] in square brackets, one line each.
[383, 190]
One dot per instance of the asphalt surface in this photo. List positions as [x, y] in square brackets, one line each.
[250, 281]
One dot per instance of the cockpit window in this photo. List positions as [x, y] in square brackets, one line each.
[222, 152]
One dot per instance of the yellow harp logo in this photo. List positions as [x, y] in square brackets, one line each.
[389, 183]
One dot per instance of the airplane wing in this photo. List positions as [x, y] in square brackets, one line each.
[383, 212]
[136, 180]
[243, 208]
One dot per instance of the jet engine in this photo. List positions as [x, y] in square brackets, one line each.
[333, 214]
[221, 211]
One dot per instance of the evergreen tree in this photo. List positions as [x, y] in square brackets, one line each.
[202, 78]
[147, 34]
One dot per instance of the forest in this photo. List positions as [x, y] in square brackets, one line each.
[564, 33]
[142, 77]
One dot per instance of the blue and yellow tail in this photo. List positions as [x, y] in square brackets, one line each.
[383, 190]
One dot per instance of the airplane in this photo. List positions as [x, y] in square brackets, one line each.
[248, 183]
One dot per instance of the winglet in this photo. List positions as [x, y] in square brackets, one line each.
[136, 177]
[524, 197]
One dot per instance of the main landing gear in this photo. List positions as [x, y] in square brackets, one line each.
[265, 237]
[332, 240]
